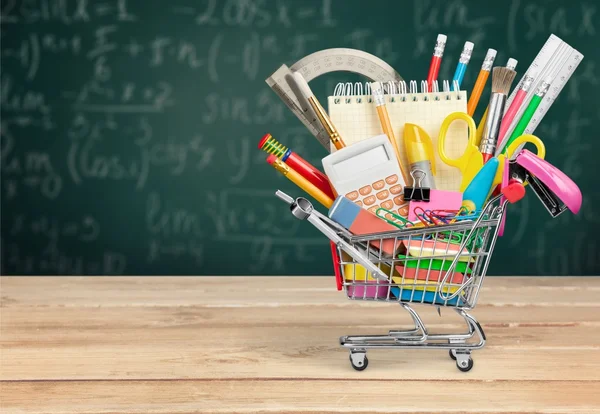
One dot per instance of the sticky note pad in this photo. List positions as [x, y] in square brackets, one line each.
[439, 200]
[360, 222]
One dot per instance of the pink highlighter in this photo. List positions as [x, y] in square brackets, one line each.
[514, 108]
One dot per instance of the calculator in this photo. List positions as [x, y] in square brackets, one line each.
[368, 174]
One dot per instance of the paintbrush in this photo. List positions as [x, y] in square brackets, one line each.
[334, 136]
[502, 79]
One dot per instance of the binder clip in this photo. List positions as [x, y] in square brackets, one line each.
[416, 192]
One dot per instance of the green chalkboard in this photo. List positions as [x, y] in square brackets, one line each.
[129, 128]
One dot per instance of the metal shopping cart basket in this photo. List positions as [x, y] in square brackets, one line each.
[442, 266]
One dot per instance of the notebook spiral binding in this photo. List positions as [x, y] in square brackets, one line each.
[396, 91]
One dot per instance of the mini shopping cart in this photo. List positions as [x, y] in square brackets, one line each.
[441, 265]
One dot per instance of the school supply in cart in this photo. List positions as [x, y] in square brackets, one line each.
[436, 61]
[439, 200]
[367, 173]
[502, 79]
[300, 181]
[482, 78]
[421, 157]
[355, 114]
[360, 221]
[271, 146]
[480, 187]
[556, 60]
[470, 160]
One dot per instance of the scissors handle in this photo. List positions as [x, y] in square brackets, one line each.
[527, 138]
[456, 162]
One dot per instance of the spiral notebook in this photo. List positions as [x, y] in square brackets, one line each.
[353, 112]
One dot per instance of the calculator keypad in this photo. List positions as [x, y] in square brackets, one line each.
[386, 193]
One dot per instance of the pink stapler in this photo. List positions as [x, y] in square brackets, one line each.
[556, 191]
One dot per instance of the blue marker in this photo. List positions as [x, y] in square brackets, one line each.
[461, 68]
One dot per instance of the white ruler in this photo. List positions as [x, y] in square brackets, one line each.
[317, 64]
[556, 59]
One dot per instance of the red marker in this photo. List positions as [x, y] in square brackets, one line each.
[436, 61]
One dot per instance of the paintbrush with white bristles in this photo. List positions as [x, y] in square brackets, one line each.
[502, 79]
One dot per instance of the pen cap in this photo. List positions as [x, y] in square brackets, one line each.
[418, 145]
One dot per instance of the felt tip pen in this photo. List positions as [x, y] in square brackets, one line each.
[482, 78]
[334, 136]
[436, 61]
[419, 151]
[514, 107]
[463, 62]
[271, 146]
[300, 181]
[529, 111]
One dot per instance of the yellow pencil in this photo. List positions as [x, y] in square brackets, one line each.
[300, 181]
[482, 78]
[386, 124]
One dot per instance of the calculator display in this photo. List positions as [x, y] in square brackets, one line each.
[362, 162]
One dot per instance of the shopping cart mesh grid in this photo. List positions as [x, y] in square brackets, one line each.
[442, 266]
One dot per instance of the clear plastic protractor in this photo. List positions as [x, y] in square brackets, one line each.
[349, 60]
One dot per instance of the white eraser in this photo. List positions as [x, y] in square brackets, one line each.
[469, 46]
[512, 63]
[491, 53]
[442, 38]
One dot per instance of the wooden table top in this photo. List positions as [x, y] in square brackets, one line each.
[270, 345]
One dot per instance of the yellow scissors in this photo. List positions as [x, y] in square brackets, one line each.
[471, 161]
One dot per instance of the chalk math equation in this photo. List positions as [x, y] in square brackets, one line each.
[129, 128]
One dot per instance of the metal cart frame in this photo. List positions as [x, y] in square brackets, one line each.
[445, 268]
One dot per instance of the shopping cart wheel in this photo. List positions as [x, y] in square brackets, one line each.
[359, 360]
[452, 353]
[464, 362]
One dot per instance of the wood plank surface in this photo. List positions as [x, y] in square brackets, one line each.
[270, 344]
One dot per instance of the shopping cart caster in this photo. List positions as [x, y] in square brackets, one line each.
[452, 354]
[359, 360]
[464, 362]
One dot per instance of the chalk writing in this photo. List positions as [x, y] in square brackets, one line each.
[18, 261]
[128, 129]
[85, 229]
[159, 249]
[164, 219]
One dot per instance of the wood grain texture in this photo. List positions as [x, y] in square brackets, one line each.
[270, 344]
